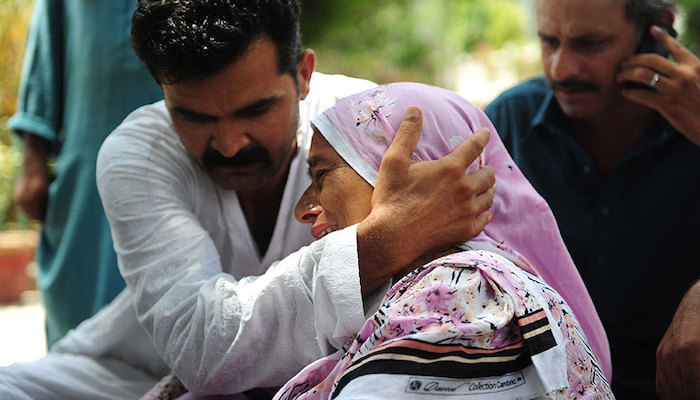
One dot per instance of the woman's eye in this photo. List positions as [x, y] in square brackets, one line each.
[318, 176]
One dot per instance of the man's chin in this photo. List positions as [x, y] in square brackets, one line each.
[239, 180]
[239, 185]
[578, 109]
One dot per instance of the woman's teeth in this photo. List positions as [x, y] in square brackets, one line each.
[327, 231]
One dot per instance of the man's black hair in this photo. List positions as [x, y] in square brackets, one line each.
[185, 40]
[644, 12]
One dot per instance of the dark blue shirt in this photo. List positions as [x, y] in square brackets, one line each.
[633, 233]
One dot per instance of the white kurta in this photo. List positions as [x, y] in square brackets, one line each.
[224, 318]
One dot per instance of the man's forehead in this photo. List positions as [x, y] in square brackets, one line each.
[580, 18]
[615, 4]
[211, 100]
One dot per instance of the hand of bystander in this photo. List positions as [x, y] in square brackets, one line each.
[678, 354]
[31, 191]
[676, 93]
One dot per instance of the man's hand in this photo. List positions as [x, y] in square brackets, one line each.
[678, 354]
[31, 190]
[422, 207]
[676, 93]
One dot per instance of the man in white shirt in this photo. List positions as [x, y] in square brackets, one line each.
[200, 191]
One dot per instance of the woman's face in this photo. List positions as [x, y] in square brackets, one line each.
[337, 197]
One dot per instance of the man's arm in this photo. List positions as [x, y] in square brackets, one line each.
[678, 354]
[40, 106]
[676, 93]
[422, 208]
[217, 333]
[31, 189]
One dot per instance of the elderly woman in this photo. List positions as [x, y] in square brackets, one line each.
[481, 320]
[485, 320]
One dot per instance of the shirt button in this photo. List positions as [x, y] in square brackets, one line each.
[605, 211]
[586, 170]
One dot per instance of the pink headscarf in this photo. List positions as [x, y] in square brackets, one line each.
[361, 127]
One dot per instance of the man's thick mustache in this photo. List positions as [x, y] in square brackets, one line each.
[574, 84]
[212, 158]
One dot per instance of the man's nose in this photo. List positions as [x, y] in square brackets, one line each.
[564, 64]
[230, 137]
[306, 210]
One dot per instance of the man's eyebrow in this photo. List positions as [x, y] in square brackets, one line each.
[191, 114]
[256, 106]
[580, 36]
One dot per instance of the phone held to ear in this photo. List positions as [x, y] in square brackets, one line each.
[647, 44]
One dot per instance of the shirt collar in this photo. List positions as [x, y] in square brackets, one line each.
[549, 118]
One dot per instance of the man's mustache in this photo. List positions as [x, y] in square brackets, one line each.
[575, 84]
[256, 155]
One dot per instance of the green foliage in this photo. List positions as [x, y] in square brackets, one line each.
[14, 18]
[691, 26]
[405, 40]
[10, 158]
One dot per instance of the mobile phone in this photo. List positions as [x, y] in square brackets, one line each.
[647, 44]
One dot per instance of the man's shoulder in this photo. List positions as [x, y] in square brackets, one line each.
[532, 91]
[146, 124]
[514, 110]
[150, 117]
[145, 137]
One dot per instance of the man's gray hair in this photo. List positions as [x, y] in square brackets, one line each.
[644, 12]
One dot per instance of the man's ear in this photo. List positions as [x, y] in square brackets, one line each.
[305, 67]
[666, 16]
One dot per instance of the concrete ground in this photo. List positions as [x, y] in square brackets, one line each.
[22, 335]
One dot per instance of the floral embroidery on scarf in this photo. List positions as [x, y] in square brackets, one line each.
[469, 300]
[372, 111]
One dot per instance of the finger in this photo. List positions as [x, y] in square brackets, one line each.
[407, 136]
[647, 65]
[32, 211]
[480, 222]
[481, 180]
[680, 53]
[468, 151]
[647, 98]
[484, 201]
[662, 378]
[637, 74]
[662, 98]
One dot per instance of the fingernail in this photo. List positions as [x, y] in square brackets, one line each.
[489, 217]
[412, 113]
[656, 28]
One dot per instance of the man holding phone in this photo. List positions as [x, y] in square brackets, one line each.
[610, 137]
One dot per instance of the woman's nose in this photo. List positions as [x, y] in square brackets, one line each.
[306, 210]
